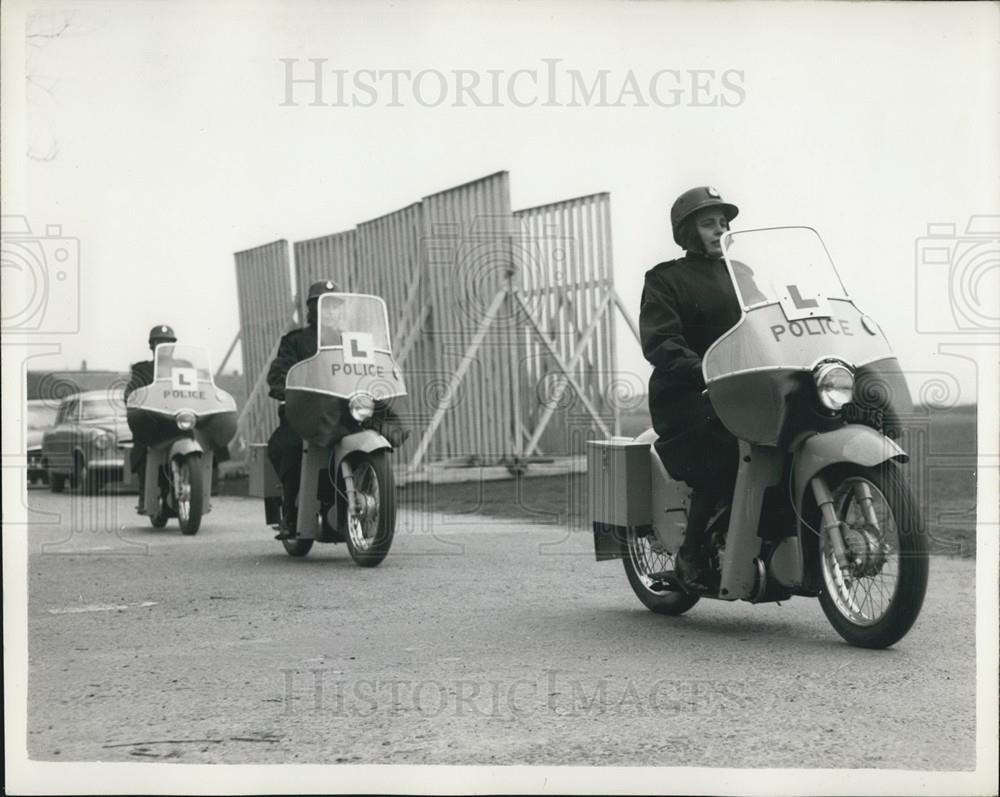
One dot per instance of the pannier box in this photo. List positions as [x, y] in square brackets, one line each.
[264, 482]
[619, 482]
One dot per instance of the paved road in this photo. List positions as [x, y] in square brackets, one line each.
[477, 642]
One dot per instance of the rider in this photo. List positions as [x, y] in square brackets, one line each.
[284, 448]
[687, 304]
[140, 375]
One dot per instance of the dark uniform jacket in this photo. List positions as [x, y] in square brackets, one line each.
[687, 304]
[296, 346]
[140, 376]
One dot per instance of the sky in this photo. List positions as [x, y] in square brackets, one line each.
[162, 137]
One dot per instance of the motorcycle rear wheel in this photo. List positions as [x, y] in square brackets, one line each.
[643, 558]
[370, 531]
[159, 515]
[297, 548]
[874, 602]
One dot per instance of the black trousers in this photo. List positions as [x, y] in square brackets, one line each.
[697, 449]
[284, 450]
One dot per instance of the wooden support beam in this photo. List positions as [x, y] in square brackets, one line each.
[229, 353]
[627, 317]
[563, 367]
[578, 352]
[456, 378]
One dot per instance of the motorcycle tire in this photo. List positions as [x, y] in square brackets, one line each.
[641, 560]
[875, 603]
[160, 515]
[189, 511]
[369, 534]
[297, 548]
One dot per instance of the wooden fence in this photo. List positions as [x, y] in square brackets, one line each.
[502, 322]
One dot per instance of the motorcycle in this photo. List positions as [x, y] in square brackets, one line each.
[809, 386]
[343, 403]
[183, 418]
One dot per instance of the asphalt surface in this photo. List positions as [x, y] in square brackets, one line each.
[478, 641]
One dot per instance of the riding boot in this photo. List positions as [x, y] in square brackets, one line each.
[289, 523]
[691, 562]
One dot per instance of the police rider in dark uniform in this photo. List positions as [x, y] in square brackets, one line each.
[284, 448]
[140, 375]
[687, 304]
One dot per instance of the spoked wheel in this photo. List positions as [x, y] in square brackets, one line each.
[371, 521]
[188, 490]
[873, 598]
[645, 559]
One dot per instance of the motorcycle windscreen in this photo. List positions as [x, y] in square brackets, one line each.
[796, 314]
[182, 382]
[353, 356]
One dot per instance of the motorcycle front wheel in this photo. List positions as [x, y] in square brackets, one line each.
[644, 560]
[188, 493]
[874, 600]
[371, 521]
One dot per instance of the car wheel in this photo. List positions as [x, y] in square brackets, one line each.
[57, 481]
[84, 477]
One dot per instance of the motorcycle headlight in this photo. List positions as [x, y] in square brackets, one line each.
[185, 420]
[834, 385]
[362, 405]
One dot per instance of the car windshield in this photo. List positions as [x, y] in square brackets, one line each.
[41, 416]
[97, 407]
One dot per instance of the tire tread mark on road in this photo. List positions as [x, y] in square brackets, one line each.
[262, 738]
[165, 741]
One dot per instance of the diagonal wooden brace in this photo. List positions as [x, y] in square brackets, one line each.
[562, 365]
[456, 379]
[549, 411]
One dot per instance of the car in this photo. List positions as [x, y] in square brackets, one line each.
[87, 444]
[41, 416]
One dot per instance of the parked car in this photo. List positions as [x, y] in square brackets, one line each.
[86, 444]
[41, 416]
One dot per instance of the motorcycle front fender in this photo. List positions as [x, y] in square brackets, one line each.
[367, 440]
[854, 443]
[182, 447]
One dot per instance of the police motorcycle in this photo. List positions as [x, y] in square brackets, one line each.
[185, 418]
[342, 402]
[810, 387]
